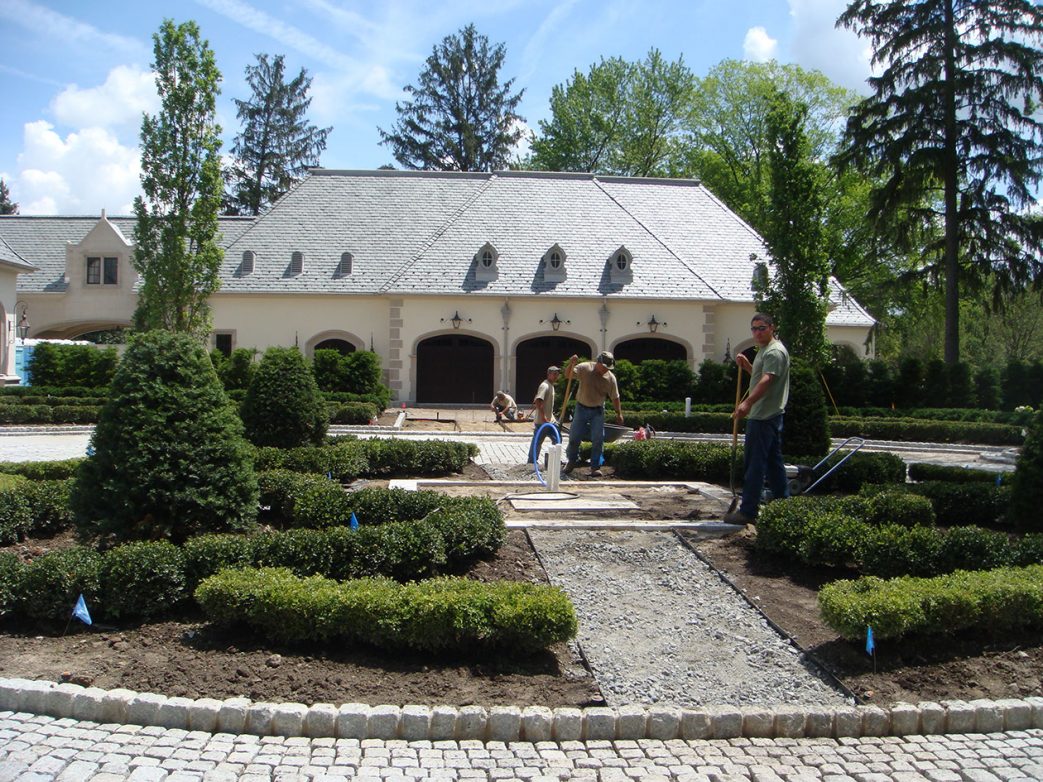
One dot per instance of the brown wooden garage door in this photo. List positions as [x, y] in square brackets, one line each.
[533, 356]
[454, 369]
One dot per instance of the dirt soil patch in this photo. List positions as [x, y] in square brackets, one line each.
[186, 657]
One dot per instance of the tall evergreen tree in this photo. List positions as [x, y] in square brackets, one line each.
[793, 232]
[7, 206]
[277, 144]
[177, 252]
[953, 134]
[460, 117]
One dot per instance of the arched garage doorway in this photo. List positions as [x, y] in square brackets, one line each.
[533, 356]
[637, 350]
[454, 368]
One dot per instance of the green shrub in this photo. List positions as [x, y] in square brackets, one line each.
[49, 507]
[832, 539]
[915, 430]
[279, 490]
[920, 471]
[206, 555]
[1026, 497]
[1000, 599]
[964, 503]
[50, 584]
[393, 456]
[169, 457]
[354, 413]
[894, 505]
[806, 425]
[892, 550]
[16, 517]
[37, 471]
[10, 576]
[237, 370]
[71, 365]
[321, 504]
[441, 615]
[974, 548]
[141, 580]
[672, 460]
[283, 407]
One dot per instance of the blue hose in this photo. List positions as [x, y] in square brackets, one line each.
[535, 440]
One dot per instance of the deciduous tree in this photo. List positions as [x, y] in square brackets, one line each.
[460, 117]
[176, 232]
[952, 133]
[277, 144]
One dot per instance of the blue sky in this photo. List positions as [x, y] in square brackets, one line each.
[74, 74]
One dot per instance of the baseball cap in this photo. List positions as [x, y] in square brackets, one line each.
[606, 358]
[553, 369]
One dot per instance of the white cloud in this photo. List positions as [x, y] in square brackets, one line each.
[758, 46]
[43, 21]
[127, 92]
[818, 44]
[83, 173]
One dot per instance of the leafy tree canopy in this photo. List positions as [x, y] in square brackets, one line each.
[277, 144]
[952, 136]
[177, 253]
[460, 117]
[7, 206]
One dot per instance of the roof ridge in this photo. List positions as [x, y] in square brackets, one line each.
[656, 238]
[438, 232]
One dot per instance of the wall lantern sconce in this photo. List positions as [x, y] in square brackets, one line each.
[456, 320]
[653, 324]
[23, 324]
[555, 322]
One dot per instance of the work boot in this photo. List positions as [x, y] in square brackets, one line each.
[737, 517]
[569, 467]
[596, 473]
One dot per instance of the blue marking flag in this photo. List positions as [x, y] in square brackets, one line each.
[870, 646]
[80, 611]
[329, 476]
[999, 479]
[354, 521]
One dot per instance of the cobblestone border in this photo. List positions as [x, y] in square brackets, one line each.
[513, 723]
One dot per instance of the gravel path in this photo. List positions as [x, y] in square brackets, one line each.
[658, 626]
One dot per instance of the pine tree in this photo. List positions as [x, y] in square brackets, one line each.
[277, 144]
[953, 135]
[176, 232]
[460, 117]
[7, 206]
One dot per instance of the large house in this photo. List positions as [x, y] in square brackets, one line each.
[463, 283]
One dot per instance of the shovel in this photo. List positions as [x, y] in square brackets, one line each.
[565, 404]
[735, 439]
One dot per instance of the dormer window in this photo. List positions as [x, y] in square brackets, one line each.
[102, 271]
[296, 263]
[620, 265]
[554, 264]
[485, 266]
[247, 265]
[344, 267]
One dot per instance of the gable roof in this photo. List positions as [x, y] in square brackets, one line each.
[11, 259]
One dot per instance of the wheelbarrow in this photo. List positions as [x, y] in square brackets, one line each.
[801, 478]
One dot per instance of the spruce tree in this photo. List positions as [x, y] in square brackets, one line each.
[169, 460]
[277, 144]
[460, 117]
[952, 134]
[283, 406]
[7, 206]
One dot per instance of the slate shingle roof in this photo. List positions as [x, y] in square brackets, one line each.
[416, 233]
[8, 257]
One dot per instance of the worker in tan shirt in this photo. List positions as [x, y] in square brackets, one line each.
[596, 383]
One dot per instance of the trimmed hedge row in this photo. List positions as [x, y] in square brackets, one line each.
[440, 615]
[355, 413]
[56, 391]
[29, 507]
[45, 414]
[956, 504]
[347, 458]
[977, 415]
[146, 579]
[884, 535]
[920, 471]
[40, 471]
[991, 600]
[671, 460]
[916, 430]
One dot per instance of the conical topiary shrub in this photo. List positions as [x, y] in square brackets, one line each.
[1026, 494]
[283, 406]
[806, 426]
[169, 457]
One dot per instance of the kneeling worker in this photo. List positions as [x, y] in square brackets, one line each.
[504, 406]
[596, 383]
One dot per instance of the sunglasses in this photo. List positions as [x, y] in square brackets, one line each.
[758, 328]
